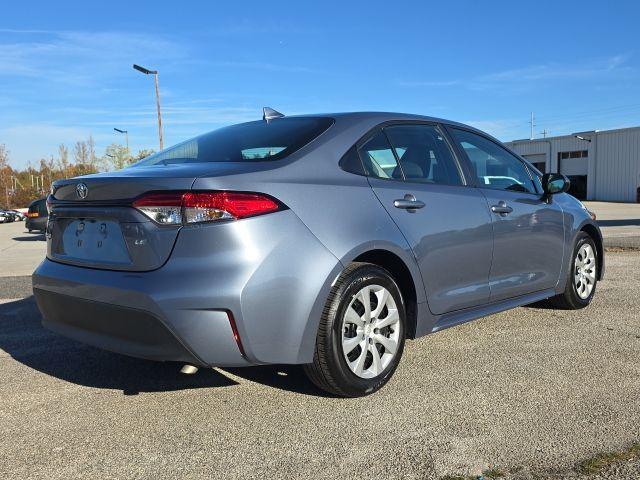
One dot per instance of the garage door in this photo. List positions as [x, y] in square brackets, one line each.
[575, 165]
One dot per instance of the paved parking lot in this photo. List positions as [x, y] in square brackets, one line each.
[619, 223]
[532, 390]
[20, 251]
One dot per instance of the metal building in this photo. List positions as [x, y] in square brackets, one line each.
[602, 164]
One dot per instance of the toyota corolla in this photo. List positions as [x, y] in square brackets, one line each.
[320, 240]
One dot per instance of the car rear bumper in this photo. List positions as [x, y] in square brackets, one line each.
[130, 321]
[36, 224]
[267, 276]
[120, 329]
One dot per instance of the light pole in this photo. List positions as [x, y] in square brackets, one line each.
[146, 71]
[126, 134]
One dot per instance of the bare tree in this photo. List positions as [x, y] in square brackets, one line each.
[5, 173]
[117, 156]
[63, 158]
[92, 160]
[81, 152]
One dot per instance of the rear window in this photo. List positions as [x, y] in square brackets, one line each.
[40, 207]
[245, 142]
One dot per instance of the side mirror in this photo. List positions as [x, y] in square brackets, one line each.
[553, 183]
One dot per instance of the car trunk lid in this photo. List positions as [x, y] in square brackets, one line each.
[93, 224]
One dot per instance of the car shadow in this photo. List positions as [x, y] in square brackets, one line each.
[290, 378]
[33, 237]
[24, 338]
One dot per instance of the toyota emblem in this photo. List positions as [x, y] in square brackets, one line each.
[82, 191]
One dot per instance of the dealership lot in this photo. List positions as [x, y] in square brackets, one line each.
[531, 389]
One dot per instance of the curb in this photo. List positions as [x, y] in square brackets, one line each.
[624, 243]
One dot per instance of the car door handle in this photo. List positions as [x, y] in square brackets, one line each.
[502, 208]
[409, 202]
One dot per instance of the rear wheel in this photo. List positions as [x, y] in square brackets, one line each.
[361, 334]
[583, 276]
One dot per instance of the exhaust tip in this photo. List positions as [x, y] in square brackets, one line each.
[188, 369]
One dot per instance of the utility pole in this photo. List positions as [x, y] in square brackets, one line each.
[158, 106]
[544, 133]
[532, 124]
[146, 71]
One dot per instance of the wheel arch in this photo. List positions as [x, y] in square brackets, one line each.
[403, 276]
[595, 234]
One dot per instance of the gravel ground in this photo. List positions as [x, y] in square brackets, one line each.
[531, 389]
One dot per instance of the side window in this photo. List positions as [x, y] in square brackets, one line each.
[493, 166]
[424, 154]
[378, 158]
[350, 162]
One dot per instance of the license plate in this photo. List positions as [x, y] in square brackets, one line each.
[94, 240]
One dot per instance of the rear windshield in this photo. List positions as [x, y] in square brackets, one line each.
[39, 206]
[245, 142]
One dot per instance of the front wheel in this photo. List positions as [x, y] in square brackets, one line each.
[361, 333]
[583, 276]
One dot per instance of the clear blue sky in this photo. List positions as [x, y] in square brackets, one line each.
[65, 67]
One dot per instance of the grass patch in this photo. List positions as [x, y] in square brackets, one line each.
[590, 466]
[487, 474]
[493, 473]
[621, 249]
[601, 461]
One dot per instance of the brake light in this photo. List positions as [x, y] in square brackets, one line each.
[175, 208]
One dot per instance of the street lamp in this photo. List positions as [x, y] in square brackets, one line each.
[146, 71]
[583, 138]
[126, 134]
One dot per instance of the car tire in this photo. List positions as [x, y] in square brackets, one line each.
[582, 272]
[358, 349]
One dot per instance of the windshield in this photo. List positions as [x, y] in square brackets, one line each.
[245, 142]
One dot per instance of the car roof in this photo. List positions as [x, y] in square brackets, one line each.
[375, 118]
[382, 117]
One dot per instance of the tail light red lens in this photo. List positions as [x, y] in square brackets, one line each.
[175, 208]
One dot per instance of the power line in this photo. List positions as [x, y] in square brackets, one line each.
[587, 113]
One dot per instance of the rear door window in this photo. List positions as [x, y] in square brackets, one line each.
[424, 154]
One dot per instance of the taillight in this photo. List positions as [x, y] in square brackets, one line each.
[175, 208]
[33, 214]
[162, 208]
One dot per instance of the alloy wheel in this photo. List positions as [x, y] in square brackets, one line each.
[370, 331]
[585, 271]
